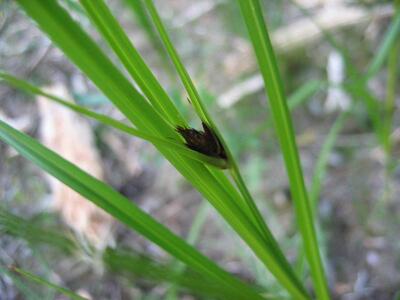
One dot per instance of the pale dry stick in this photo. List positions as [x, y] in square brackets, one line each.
[195, 12]
[247, 87]
[69, 135]
[302, 33]
[310, 4]
[331, 18]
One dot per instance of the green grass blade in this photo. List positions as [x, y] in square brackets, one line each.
[146, 268]
[298, 97]
[320, 169]
[32, 233]
[304, 93]
[25, 290]
[319, 176]
[32, 277]
[391, 86]
[183, 74]
[252, 13]
[144, 21]
[121, 208]
[131, 59]
[390, 38]
[358, 90]
[193, 235]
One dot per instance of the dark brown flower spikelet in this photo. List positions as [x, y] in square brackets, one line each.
[205, 142]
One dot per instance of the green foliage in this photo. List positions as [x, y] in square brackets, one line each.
[127, 263]
[252, 14]
[33, 233]
[154, 117]
[144, 21]
[34, 278]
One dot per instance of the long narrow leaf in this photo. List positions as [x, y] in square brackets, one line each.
[25, 290]
[144, 21]
[66, 292]
[391, 87]
[132, 264]
[184, 75]
[304, 93]
[323, 158]
[390, 37]
[252, 13]
[18, 227]
[197, 224]
[318, 178]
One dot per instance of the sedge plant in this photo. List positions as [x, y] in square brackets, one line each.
[153, 116]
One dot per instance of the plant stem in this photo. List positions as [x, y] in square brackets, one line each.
[252, 12]
[390, 103]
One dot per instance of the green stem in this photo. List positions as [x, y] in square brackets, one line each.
[390, 103]
[252, 12]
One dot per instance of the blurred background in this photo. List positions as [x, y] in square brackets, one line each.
[322, 46]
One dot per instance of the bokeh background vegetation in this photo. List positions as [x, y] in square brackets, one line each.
[336, 57]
